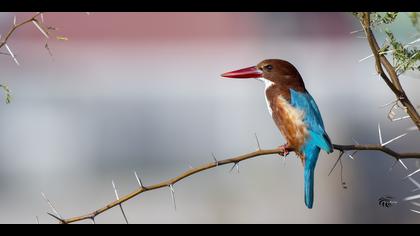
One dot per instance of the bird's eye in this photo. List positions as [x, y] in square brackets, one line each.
[268, 67]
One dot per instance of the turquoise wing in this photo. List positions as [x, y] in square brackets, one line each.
[312, 118]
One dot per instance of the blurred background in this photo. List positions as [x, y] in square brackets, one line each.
[142, 92]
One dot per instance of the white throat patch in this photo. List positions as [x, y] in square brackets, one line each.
[267, 84]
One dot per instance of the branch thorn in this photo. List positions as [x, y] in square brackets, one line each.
[118, 198]
[138, 180]
[51, 206]
[414, 197]
[39, 27]
[233, 167]
[380, 134]
[258, 142]
[352, 154]
[415, 183]
[402, 163]
[215, 159]
[335, 164]
[171, 188]
[11, 54]
[415, 172]
[418, 212]
[56, 217]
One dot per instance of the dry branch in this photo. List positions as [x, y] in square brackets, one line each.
[4, 39]
[235, 160]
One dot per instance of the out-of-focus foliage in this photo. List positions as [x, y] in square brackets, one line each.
[415, 19]
[7, 93]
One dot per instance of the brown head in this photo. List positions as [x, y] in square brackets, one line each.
[280, 73]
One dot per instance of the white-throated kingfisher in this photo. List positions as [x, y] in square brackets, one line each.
[295, 113]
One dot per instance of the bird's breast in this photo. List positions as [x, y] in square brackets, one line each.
[290, 121]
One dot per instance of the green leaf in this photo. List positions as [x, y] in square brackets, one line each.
[7, 93]
[415, 19]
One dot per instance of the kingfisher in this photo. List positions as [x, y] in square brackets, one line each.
[294, 112]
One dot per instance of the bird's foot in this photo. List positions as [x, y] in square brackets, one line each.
[285, 149]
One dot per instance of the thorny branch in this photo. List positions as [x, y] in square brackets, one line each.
[235, 160]
[382, 62]
[38, 21]
[4, 39]
[17, 26]
[377, 147]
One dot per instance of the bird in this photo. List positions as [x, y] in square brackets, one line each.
[294, 112]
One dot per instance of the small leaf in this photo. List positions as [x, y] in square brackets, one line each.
[7, 93]
[415, 19]
[62, 38]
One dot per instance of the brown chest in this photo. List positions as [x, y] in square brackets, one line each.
[289, 120]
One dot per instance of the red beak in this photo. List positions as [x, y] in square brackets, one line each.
[246, 73]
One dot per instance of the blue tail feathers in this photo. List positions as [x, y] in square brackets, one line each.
[309, 187]
[311, 156]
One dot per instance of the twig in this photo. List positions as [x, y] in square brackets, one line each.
[379, 148]
[17, 26]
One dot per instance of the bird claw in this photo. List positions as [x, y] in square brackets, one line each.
[285, 150]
